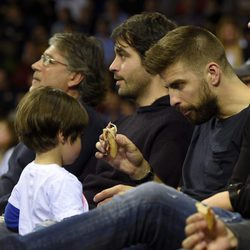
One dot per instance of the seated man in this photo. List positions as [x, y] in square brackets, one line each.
[64, 66]
[152, 215]
[159, 130]
[195, 68]
[206, 90]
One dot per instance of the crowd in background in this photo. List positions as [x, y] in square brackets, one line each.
[25, 27]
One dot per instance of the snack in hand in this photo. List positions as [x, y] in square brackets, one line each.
[207, 212]
[109, 134]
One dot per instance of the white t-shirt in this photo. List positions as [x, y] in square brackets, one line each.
[46, 192]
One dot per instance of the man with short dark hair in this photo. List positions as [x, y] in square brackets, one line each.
[158, 130]
[154, 214]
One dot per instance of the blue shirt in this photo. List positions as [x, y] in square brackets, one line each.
[212, 155]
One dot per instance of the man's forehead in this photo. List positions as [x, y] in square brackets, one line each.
[171, 70]
[52, 50]
[120, 44]
[175, 72]
[177, 68]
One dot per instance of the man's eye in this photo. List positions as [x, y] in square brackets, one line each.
[122, 55]
[176, 86]
[51, 61]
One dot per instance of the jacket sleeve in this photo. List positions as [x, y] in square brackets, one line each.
[242, 232]
[242, 169]
[19, 159]
[241, 174]
[243, 201]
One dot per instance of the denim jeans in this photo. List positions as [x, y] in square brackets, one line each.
[151, 216]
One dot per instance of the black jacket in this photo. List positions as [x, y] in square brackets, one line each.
[161, 133]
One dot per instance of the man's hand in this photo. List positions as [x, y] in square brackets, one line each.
[107, 194]
[200, 238]
[129, 159]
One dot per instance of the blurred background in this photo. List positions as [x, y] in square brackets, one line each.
[26, 25]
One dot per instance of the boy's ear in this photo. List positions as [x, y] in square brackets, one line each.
[61, 138]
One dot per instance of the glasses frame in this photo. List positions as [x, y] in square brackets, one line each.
[48, 60]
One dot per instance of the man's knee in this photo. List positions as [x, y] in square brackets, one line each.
[154, 192]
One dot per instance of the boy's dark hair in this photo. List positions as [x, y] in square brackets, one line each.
[84, 55]
[43, 113]
[141, 31]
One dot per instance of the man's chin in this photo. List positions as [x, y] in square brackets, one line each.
[32, 87]
[121, 92]
[35, 85]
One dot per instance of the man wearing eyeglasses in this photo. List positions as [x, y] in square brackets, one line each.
[73, 62]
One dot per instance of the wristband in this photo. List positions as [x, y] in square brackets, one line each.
[233, 190]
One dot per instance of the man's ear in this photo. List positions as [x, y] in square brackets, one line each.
[75, 79]
[213, 73]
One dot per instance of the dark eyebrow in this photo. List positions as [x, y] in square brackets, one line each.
[121, 51]
[119, 48]
[175, 84]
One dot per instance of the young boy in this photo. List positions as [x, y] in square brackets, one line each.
[49, 122]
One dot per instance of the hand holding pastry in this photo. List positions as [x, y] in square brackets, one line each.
[108, 136]
[126, 157]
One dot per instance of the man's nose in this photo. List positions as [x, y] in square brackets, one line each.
[114, 66]
[37, 65]
[174, 98]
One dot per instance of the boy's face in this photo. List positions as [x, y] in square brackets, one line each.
[54, 74]
[131, 77]
[70, 151]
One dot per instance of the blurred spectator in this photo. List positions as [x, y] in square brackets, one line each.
[7, 97]
[86, 19]
[189, 12]
[114, 14]
[40, 36]
[230, 35]
[8, 140]
[21, 78]
[64, 21]
[243, 72]
[151, 6]
[133, 6]
[103, 34]
[74, 6]
[12, 35]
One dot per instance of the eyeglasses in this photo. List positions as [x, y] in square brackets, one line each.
[47, 60]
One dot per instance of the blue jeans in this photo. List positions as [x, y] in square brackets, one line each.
[151, 215]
